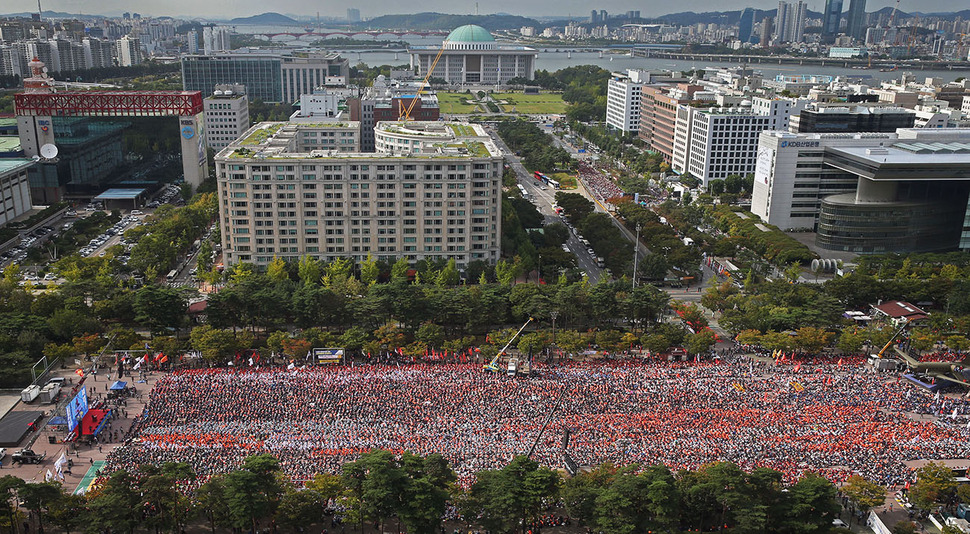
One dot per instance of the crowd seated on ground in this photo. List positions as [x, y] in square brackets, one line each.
[833, 418]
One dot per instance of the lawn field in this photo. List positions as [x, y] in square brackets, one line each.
[456, 103]
[543, 103]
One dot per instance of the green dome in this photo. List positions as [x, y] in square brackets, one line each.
[470, 33]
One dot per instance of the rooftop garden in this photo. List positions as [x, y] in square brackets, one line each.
[261, 135]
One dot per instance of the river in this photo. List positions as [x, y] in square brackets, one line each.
[552, 58]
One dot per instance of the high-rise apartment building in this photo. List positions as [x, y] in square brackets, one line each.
[790, 22]
[746, 25]
[856, 19]
[129, 51]
[192, 41]
[353, 14]
[215, 39]
[226, 115]
[781, 23]
[431, 191]
[831, 18]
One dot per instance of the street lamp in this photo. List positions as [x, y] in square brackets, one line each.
[554, 314]
[636, 254]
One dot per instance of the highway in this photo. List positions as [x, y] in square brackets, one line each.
[543, 198]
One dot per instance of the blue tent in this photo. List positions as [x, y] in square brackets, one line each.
[118, 386]
[59, 420]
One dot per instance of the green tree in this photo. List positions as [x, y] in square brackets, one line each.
[38, 498]
[701, 342]
[276, 270]
[159, 307]
[309, 270]
[369, 270]
[253, 492]
[934, 485]
[214, 344]
[69, 513]
[812, 505]
[116, 505]
[376, 482]
[864, 494]
[399, 271]
[300, 508]
[503, 499]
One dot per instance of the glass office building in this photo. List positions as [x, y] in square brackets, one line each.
[262, 75]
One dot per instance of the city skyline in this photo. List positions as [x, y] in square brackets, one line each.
[372, 8]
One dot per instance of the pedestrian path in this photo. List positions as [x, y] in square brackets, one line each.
[89, 477]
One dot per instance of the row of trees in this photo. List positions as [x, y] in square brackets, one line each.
[538, 154]
[414, 492]
[598, 228]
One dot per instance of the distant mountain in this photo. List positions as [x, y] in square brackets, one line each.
[53, 15]
[440, 21]
[266, 19]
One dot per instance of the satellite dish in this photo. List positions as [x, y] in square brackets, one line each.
[49, 151]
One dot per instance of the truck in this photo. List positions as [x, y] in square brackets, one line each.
[27, 456]
[50, 392]
[30, 393]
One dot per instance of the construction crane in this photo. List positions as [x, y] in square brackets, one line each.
[405, 112]
[892, 16]
[492, 366]
[890, 342]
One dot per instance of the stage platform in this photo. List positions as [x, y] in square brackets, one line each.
[15, 425]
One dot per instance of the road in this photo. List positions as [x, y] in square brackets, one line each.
[543, 198]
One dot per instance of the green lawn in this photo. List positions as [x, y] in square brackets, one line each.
[456, 103]
[542, 104]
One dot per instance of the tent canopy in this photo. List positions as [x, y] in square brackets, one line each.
[59, 420]
[118, 386]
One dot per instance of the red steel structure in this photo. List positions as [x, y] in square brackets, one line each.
[109, 104]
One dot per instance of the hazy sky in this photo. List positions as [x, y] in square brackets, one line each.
[371, 8]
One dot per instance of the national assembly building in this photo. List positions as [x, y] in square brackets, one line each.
[470, 55]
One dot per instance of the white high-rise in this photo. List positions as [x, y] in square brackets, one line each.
[714, 143]
[129, 51]
[215, 39]
[623, 101]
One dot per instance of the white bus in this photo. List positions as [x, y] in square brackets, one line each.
[171, 275]
[525, 193]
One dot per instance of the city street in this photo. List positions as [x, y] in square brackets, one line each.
[544, 197]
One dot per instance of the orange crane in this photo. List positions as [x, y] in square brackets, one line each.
[405, 112]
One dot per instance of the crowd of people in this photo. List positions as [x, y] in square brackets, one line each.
[830, 418]
[601, 185]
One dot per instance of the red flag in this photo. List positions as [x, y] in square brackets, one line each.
[840, 361]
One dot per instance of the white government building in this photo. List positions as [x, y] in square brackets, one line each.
[433, 190]
[470, 55]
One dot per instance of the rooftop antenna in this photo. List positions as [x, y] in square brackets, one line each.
[40, 12]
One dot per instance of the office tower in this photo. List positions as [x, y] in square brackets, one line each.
[353, 14]
[268, 76]
[623, 101]
[226, 115]
[831, 18]
[856, 27]
[746, 25]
